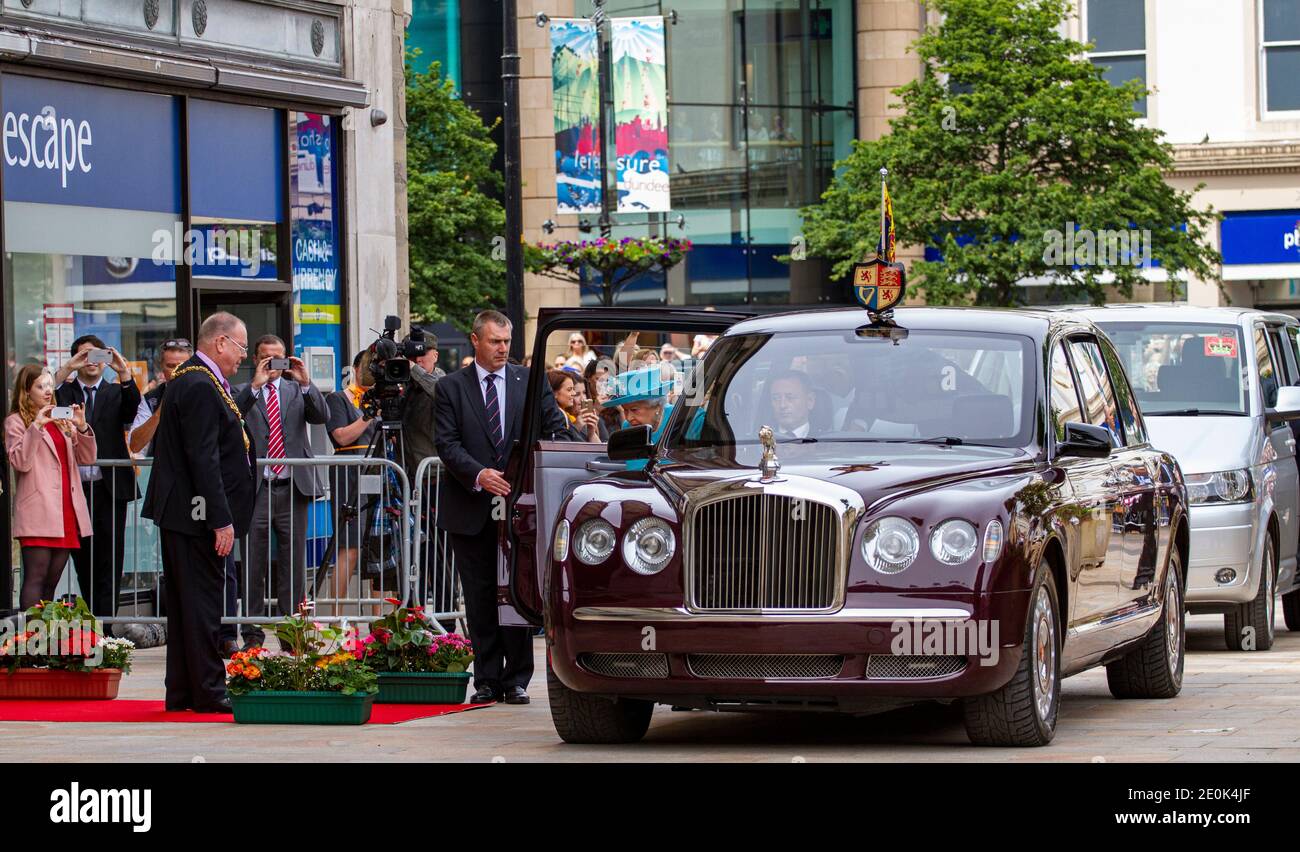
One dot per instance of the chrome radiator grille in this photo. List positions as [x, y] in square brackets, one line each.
[764, 551]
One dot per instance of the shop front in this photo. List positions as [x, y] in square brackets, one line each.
[1261, 258]
[133, 215]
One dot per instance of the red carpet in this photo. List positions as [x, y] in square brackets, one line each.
[122, 710]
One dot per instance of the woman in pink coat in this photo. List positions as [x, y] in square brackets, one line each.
[50, 514]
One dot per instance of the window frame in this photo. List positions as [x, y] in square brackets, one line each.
[1263, 46]
[1060, 343]
[1093, 55]
[1119, 438]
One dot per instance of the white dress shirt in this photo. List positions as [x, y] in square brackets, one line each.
[501, 397]
[90, 472]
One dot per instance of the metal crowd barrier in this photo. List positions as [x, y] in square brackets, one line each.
[355, 545]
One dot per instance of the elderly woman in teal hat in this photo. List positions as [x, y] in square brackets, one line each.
[643, 394]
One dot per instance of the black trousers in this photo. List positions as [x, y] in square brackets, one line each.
[280, 508]
[195, 577]
[503, 656]
[99, 559]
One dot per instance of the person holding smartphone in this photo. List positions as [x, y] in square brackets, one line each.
[45, 444]
[278, 404]
[110, 405]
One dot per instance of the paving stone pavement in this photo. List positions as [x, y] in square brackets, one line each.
[1234, 707]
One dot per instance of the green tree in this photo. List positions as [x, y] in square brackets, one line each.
[1009, 140]
[456, 223]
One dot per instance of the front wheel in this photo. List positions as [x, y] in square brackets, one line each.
[592, 720]
[1249, 626]
[1023, 712]
[1154, 668]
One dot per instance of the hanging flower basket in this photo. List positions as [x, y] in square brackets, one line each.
[60, 684]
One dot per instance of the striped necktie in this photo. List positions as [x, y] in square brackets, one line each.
[275, 442]
[493, 404]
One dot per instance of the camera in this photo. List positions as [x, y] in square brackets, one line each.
[390, 367]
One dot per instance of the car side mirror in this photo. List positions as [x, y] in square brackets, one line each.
[1287, 407]
[630, 444]
[1087, 441]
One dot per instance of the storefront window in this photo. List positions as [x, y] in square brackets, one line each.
[236, 181]
[92, 219]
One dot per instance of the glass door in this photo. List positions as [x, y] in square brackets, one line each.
[263, 311]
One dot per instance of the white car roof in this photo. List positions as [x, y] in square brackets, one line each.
[1180, 313]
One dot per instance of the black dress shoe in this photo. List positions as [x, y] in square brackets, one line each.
[229, 648]
[516, 695]
[485, 695]
[222, 706]
[176, 708]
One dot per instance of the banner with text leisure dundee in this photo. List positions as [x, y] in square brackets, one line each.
[640, 90]
[575, 85]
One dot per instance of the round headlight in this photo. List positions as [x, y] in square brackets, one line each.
[890, 545]
[1232, 485]
[594, 542]
[560, 550]
[992, 541]
[953, 542]
[648, 546]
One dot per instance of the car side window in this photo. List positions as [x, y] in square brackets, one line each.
[1134, 428]
[1100, 407]
[1286, 365]
[1268, 374]
[1064, 398]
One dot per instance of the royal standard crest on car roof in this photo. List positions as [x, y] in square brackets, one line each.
[878, 283]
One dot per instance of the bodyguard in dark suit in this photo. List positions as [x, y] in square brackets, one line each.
[200, 495]
[110, 407]
[284, 493]
[478, 414]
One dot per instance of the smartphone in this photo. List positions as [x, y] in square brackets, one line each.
[99, 356]
[589, 405]
[60, 412]
[280, 364]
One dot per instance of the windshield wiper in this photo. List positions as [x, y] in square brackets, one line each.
[1195, 412]
[805, 440]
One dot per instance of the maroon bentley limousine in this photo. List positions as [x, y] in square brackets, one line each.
[844, 514]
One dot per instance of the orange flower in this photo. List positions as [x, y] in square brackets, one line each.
[252, 672]
[233, 669]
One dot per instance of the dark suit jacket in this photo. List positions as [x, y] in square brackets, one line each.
[115, 406]
[198, 451]
[460, 428]
[297, 409]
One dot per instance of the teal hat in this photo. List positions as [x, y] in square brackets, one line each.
[640, 386]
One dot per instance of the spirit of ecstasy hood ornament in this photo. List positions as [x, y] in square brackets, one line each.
[768, 465]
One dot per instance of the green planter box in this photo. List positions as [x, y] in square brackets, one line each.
[422, 687]
[302, 708]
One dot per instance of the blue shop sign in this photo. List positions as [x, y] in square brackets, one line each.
[92, 146]
[241, 149]
[1260, 236]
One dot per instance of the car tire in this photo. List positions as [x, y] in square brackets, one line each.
[1291, 610]
[1023, 712]
[1154, 668]
[593, 720]
[1249, 626]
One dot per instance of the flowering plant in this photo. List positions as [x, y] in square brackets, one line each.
[58, 635]
[615, 262]
[316, 661]
[405, 641]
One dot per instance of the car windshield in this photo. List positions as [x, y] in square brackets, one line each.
[943, 386]
[1183, 368]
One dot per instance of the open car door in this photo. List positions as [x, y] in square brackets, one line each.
[544, 471]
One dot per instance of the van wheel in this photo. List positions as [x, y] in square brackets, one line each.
[1023, 712]
[1249, 626]
[593, 720]
[1154, 668]
[1291, 610]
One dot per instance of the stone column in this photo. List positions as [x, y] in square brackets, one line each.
[537, 157]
